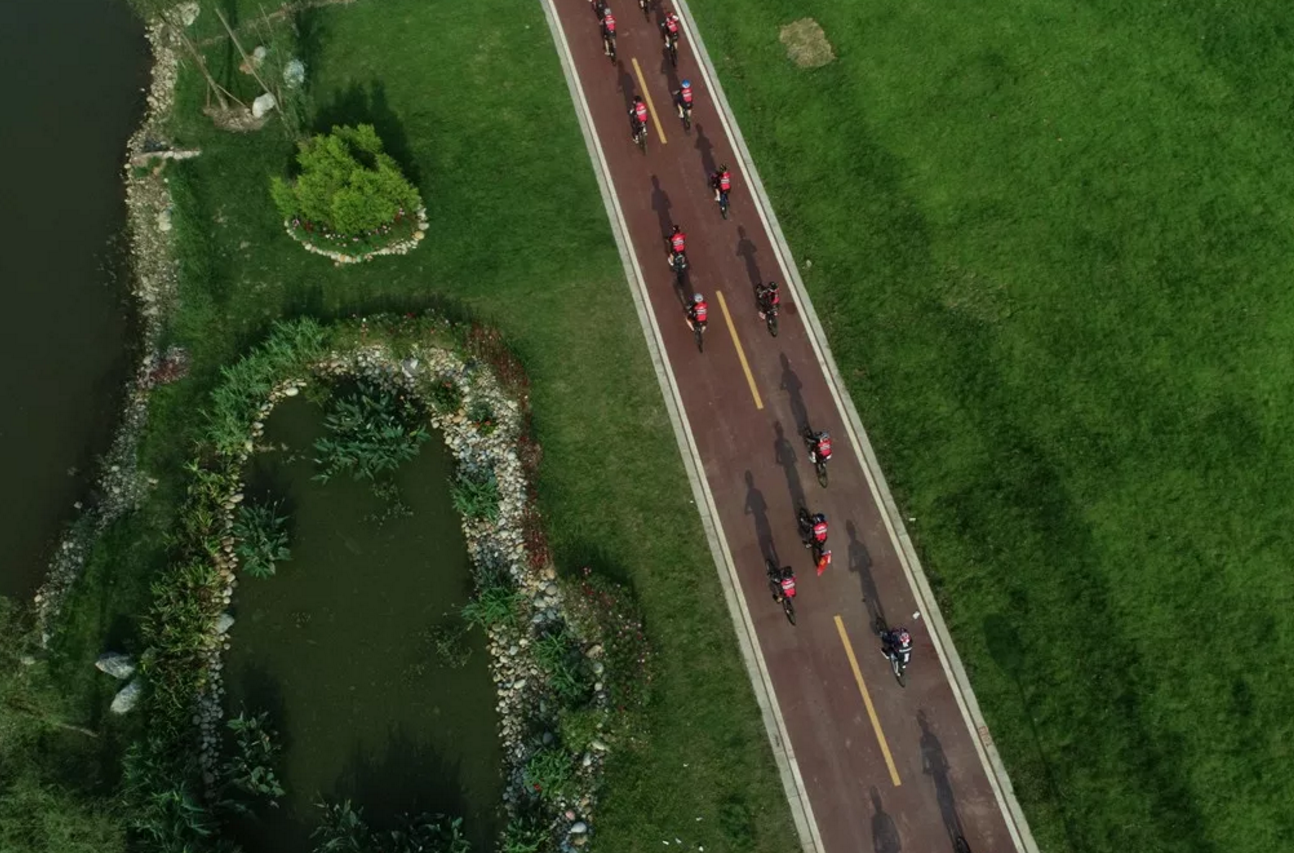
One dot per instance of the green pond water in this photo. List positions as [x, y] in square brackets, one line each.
[334, 646]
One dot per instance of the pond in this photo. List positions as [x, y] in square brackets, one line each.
[335, 646]
[74, 69]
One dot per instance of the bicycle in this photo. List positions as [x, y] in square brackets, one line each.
[671, 45]
[767, 307]
[779, 594]
[698, 332]
[678, 263]
[723, 209]
[609, 47]
[685, 113]
[645, 5]
[640, 135]
[805, 520]
[819, 464]
[898, 662]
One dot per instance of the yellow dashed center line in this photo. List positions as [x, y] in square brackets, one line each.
[867, 700]
[651, 108]
[741, 354]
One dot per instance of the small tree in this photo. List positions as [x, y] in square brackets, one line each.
[349, 195]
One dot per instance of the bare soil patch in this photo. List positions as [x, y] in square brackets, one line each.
[806, 44]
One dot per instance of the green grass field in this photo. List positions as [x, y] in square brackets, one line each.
[470, 99]
[1050, 245]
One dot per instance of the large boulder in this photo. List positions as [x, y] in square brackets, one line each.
[294, 73]
[127, 697]
[116, 664]
[263, 104]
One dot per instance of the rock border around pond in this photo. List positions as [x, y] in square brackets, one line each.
[529, 708]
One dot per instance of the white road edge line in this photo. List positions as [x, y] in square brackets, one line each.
[994, 769]
[756, 667]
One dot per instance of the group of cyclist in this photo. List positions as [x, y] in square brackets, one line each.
[670, 27]
[896, 644]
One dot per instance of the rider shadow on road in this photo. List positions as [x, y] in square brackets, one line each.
[934, 763]
[784, 456]
[757, 507]
[860, 562]
[746, 251]
[706, 147]
[885, 835]
[626, 85]
[792, 385]
[661, 204]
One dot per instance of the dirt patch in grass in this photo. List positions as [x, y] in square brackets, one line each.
[806, 44]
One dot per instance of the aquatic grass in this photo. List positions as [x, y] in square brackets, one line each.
[372, 431]
[475, 493]
[249, 771]
[493, 606]
[262, 535]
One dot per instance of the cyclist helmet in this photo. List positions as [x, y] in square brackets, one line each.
[677, 229]
[824, 434]
[772, 285]
[687, 84]
[904, 637]
[638, 99]
[723, 167]
[698, 298]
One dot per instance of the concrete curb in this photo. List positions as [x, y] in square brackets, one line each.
[748, 642]
[1016, 823]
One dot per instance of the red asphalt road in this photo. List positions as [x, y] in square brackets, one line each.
[758, 473]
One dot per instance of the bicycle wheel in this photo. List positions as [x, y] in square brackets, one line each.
[821, 467]
[788, 607]
[673, 53]
[771, 320]
[699, 331]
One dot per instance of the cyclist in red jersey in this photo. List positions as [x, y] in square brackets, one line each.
[821, 447]
[769, 298]
[677, 241]
[608, 30]
[670, 27]
[683, 97]
[638, 113]
[721, 180]
[698, 311]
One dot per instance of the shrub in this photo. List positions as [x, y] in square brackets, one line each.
[524, 834]
[482, 417]
[559, 656]
[446, 397]
[550, 772]
[262, 536]
[579, 727]
[475, 493]
[347, 189]
[372, 431]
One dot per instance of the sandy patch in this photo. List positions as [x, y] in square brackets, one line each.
[806, 44]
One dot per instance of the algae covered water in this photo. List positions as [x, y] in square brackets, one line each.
[73, 72]
[335, 646]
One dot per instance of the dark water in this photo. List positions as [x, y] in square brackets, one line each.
[334, 646]
[72, 71]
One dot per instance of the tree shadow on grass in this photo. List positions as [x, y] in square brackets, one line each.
[367, 104]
